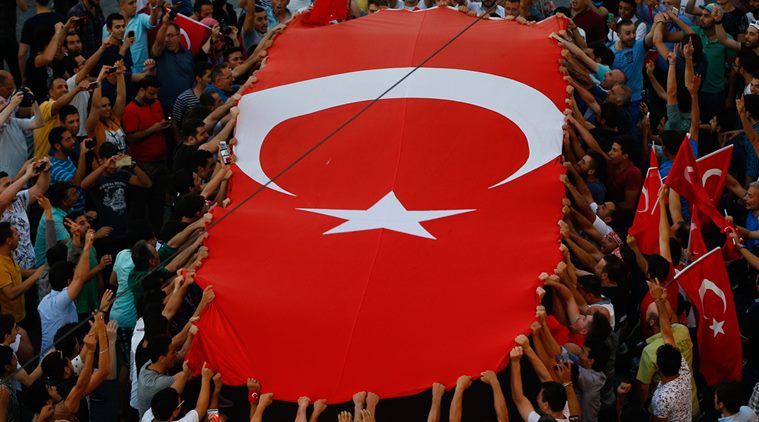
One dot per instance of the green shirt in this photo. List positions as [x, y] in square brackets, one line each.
[135, 277]
[88, 298]
[716, 57]
[647, 369]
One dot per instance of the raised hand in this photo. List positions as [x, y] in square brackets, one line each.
[464, 382]
[516, 354]
[106, 301]
[253, 385]
[489, 377]
[111, 329]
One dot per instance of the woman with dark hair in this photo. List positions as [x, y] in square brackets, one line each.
[10, 409]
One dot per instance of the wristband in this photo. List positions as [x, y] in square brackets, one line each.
[253, 398]
[567, 384]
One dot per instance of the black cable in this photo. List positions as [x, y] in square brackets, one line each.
[287, 168]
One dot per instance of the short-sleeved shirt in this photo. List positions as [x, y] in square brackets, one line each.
[676, 119]
[136, 276]
[41, 144]
[110, 132]
[647, 369]
[60, 234]
[88, 298]
[34, 24]
[150, 382]
[123, 309]
[13, 144]
[716, 56]
[138, 117]
[184, 102]
[81, 102]
[56, 310]
[628, 179]
[671, 400]
[140, 24]
[62, 171]
[10, 275]
[110, 193]
[175, 72]
[744, 414]
[752, 223]
[630, 62]
[593, 25]
[191, 416]
[535, 417]
[16, 215]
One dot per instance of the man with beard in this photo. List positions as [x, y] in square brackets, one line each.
[90, 26]
[62, 169]
[145, 127]
[481, 7]
[750, 39]
[254, 26]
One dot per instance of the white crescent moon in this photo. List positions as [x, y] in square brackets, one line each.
[534, 113]
[709, 173]
[183, 33]
[709, 285]
[644, 192]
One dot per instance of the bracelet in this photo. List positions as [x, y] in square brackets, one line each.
[253, 398]
[104, 350]
[567, 384]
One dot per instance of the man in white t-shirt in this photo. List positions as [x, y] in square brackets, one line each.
[165, 405]
[551, 400]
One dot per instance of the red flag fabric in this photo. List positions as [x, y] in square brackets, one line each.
[192, 34]
[696, 245]
[645, 227]
[325, 11]
[377, 262]
[706, 283]
[684, 177]
[714, 168]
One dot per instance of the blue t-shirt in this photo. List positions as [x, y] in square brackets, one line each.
[630, 61]
[752, 223]
[140, 49]
[175, 74]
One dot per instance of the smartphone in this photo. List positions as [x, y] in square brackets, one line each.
[130, 34]
[124, 161]
[226, 157]
[676, 11]
[112, 70]
[609, 18]
[93, 85]
[90, 143]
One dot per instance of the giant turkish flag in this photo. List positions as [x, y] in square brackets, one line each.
[405, 249]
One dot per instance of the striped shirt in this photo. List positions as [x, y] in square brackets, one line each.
[63, 171]
[184, 102]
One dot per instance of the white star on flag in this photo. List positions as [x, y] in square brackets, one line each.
[387, 213]
[716, 327]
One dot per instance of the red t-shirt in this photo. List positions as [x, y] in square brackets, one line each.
[138, 117]
[593, 25]
[620, 182]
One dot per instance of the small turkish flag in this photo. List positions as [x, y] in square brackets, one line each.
[706, 283]
[192, 34]
[714, 169]
[685, 179]
[645, 227]
[325, 11]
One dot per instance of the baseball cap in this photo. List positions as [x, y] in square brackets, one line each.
[754, 24]
[708, 7]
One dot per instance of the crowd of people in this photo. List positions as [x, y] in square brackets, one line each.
[113, 142]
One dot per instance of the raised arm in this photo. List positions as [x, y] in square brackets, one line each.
[537, 364]
[77, 393]
[587, 136]
[205, 391]
[104, 357]
[499, 402]
[577, 52]
[82, 268]
[462, 384]
[719, 30]
[160, 43]
[517, 395]
[671, 78]
[659, 295]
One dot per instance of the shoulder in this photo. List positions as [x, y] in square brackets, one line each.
[191, 416]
